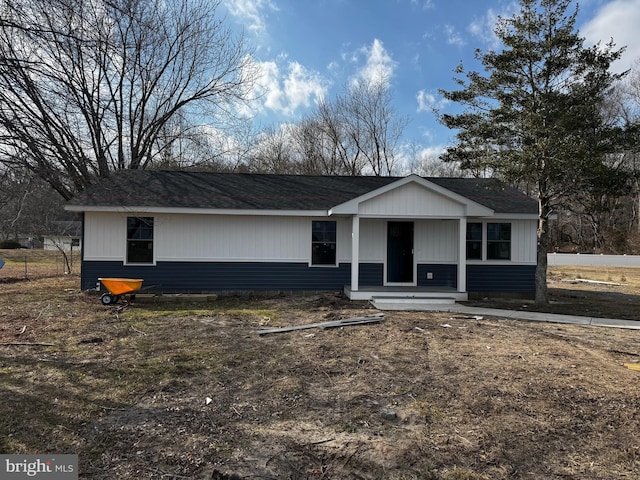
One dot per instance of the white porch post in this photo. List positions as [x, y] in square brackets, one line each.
[355, 252]
[462, 256]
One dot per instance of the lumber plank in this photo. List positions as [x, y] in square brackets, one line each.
[375, 318]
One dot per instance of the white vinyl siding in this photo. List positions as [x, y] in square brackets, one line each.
[105, 236]
[229, 238]
[523, 241]
[411, 201]
[185, 237]
[373, 240]
[436, 241]
[193, 237]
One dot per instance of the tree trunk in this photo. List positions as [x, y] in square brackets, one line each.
[543, 238]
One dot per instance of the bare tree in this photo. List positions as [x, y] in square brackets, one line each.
[273, 152]
[356, 133]
[372, 124]
[88, 87]
[426, 162]
[28, 206]
[321, 144]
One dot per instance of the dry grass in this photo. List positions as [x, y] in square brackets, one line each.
[627, 276]
[126, 389]
[34, 264]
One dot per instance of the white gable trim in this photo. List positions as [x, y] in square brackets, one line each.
[471, 208]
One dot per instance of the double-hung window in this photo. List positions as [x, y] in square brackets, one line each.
[323, 242]
[139, 239]
[474, 241]
[498, 241]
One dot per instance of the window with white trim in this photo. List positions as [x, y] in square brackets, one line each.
[474, 241]
[494, 242]
[498, 241]
[323, 242]
[139, 239]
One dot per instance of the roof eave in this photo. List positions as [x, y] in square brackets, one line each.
[197, 211]
[517, 216]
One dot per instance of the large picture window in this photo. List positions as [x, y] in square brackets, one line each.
[139, 239]
[323, 242]
[498, 241]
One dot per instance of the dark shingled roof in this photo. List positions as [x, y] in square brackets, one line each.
[152, 188]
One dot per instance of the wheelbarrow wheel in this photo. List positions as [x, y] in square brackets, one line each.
[108, 299]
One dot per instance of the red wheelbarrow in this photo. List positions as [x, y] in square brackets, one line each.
[117, 287]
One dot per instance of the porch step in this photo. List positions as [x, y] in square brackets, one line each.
[410, 303]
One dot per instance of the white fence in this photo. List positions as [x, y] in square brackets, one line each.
[560, 259]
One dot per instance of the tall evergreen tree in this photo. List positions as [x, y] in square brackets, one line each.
[535, 116]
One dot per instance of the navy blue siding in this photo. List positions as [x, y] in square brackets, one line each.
[370, 274]
[501, 278]
[214, 277]
[192, 277]
[443, 275]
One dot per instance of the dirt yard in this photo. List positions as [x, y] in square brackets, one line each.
[189, 390]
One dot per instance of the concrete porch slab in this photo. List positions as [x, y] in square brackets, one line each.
[405, 292]
[410, 303]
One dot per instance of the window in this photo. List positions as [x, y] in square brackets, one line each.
[474, 241]
[323, 243]
[139, 239]
[498, 241]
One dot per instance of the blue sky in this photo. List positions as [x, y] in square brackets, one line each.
[309, 49]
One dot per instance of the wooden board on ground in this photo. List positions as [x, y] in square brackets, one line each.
[374, 318]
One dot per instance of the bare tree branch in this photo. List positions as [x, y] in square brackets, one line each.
[90, 87]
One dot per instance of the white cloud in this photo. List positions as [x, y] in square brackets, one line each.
[618, 19]
[453, 37]
[432, 154]
[285, 89]
[251, 12]
[301, 86]
[379, 66]
[483, 28]
[428, 101]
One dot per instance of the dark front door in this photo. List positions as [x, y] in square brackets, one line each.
[400, 252]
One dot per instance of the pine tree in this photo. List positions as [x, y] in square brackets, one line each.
[534, 118]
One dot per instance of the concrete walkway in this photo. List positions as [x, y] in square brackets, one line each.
[537, 316]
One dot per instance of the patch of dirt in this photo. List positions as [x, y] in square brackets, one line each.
[190, 390]
[577, 298]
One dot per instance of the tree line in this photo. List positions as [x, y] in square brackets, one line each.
[89, 88]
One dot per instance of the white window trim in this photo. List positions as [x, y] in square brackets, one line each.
[126, 243]
[485, 243]
[310, 235]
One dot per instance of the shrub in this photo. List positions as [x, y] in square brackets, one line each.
[10, 244]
